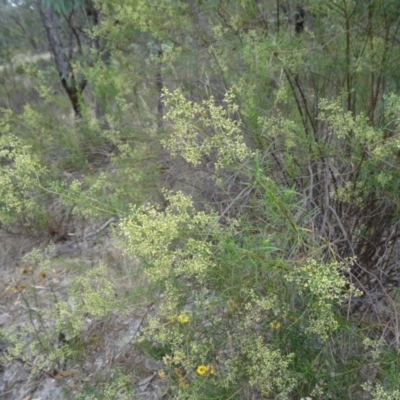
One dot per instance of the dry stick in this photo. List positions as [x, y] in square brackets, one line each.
[233, 202]
[342, 229]
[326, 198]
[366, 292]
[395, 331]
[311, 185]
[97, 231]
[349, 244]
[391, 301]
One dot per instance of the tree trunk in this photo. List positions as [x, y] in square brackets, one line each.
[68, 80]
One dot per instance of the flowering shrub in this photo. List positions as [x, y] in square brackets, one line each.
[225, 341]
[200, 130]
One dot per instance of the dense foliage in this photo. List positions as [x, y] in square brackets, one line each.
[248, 153]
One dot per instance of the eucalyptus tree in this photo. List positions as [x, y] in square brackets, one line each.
[68, 26]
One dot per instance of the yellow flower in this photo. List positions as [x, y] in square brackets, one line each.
[202, 370]
[183, 318]
[275, 325]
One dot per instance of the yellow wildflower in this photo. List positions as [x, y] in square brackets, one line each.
[275, 325]
[183, 318]
[202, 370]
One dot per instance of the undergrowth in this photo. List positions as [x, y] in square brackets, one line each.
[248, 287]
[247, 306]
